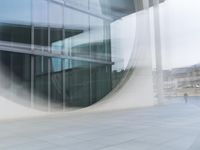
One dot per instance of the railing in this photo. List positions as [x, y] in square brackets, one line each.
[94, 57]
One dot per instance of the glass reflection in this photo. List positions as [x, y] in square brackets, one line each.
[56, 40]
[12, 33]
[41, 36]
[15, 11]
[40, 12]
[73, 56]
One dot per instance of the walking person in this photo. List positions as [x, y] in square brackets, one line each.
[186, 97]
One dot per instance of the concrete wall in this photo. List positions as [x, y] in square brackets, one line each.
[136, 89]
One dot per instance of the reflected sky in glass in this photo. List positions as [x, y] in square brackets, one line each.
[15, 10]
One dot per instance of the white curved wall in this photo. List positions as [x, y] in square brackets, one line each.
[137, 89]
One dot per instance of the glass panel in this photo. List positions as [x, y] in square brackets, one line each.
[15, 11]
[15, 33]
[95, 6]
[101, 81]
[56, 83]
[41, 82]
[115, 8]
[98, 39]
[56, 15]
[15, 76]
[78, 3]
[5, 70]
[21, 75]
[77, 83]
[76, 33]
[69, 33]
[41, 37]
[66, 81]
[56, 40]
[40, 12]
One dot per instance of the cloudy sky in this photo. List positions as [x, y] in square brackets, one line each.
[180, 32]
[180, 28]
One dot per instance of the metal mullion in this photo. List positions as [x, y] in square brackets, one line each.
[105, 42]
[90, 65]
[32, 57]
[49, 60]
[47, 54]
[49, 33]
[32, 80]
[32, 27]
[63, 84]
[63, 61]
[11, 71]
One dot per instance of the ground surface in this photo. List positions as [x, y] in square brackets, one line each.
[170, 127]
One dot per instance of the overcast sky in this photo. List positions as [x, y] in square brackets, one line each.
[180, 30]
[180, 22]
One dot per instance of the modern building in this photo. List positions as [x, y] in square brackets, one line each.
[178, 81]
[121, 61]
[61, 53]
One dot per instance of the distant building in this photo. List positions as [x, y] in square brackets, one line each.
[178, 81]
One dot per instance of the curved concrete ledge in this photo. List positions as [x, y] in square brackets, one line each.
[136, 89]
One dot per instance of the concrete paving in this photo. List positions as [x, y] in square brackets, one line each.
[169, 127]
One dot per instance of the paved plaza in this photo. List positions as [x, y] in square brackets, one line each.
[169, 127]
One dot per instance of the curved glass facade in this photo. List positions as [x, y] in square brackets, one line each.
[64, 53]
[56, 53]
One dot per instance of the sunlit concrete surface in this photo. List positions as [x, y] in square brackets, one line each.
[169, 127]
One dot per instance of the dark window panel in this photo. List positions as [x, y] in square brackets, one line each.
[41, 36]
[41, 82]
[15, 33]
